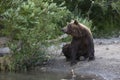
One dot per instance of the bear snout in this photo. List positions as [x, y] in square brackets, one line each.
[64, 30]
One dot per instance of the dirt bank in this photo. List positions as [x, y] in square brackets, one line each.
[107, 63]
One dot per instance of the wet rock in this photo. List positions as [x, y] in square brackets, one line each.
[43, 69]
[4, 51]
[82, 76]
[107, 48]
[100, 43]
[115, 42]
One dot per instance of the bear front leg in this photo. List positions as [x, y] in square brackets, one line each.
[91, 52]
[74, 55]
[91, 56]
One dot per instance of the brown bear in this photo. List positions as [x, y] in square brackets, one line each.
[81, 44]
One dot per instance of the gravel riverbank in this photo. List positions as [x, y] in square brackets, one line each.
[106, 64]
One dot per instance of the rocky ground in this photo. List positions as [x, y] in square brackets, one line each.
[106, 64]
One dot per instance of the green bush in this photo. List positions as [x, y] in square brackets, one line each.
[31, 23]
[104, 14]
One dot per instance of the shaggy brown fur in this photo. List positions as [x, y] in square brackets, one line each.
[81, 44]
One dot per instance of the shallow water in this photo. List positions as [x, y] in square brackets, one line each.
[44, 76]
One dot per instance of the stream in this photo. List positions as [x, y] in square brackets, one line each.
[44, 76]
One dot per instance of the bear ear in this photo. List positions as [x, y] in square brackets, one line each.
[76, 22]
[72, 21]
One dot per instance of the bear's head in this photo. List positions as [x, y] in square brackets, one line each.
[73, 29]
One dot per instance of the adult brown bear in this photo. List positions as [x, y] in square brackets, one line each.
[81, 44]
